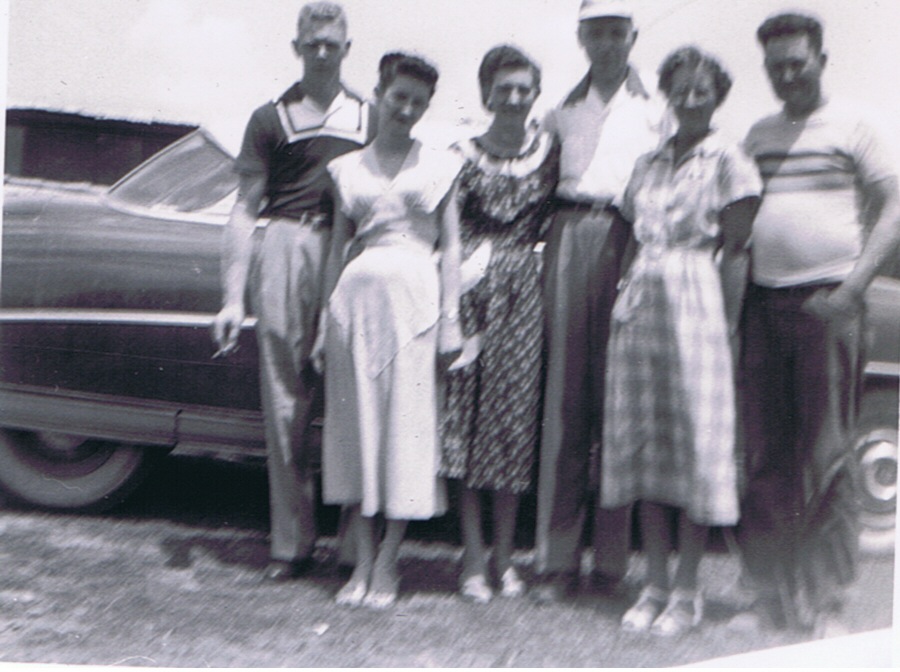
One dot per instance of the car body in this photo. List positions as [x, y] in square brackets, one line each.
[107, 300]
[106, 357]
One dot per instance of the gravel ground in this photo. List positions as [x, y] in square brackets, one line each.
[146, 586]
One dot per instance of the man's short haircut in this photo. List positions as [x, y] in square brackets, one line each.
[316, 14]
[693, 58]
[397, 63]
[791, 24]
[504, 57]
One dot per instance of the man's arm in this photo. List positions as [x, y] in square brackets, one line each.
[237, 254]
[884, 209]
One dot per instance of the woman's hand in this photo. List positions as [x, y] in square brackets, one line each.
[317, 354]
[450, 340]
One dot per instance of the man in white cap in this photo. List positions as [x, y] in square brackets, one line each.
[282, 164]
[604, 125]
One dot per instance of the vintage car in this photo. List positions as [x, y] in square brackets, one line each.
[106, 357]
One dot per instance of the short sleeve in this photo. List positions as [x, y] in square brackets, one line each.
[737, 177]
[441, 167]
[870, 154]
[337, 171]
[256, 145]
[625, 202]
[550, 123]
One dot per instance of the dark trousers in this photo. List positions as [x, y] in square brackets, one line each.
[798, 381]
[582, 267]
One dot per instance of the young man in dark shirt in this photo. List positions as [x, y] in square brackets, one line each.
[283, 179]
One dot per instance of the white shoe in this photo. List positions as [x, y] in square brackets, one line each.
[643, 613]
[476, 589]
[511, 584]
[683, 612]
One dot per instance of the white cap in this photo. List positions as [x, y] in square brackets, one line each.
[595, 9]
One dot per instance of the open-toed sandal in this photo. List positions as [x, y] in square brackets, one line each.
[511, 584]
[643, 613]
[476, 589]
[683, 612]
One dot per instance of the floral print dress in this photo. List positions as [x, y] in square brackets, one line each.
[493, 405]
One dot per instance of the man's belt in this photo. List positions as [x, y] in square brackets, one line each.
[597, 206]
[312, 219]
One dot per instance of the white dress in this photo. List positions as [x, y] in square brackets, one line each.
[380, 444]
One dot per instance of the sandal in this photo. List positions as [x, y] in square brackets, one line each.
[511, 584]
[683, 612]
[385, 595]
[352, 594]
[476, 589]
[644, 612]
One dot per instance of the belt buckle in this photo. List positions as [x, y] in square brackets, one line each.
[315, 220]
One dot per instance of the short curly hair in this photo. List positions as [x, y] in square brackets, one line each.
[397, 63]
[791, 24]
[504, 57]
[315, 14]
[694, 59]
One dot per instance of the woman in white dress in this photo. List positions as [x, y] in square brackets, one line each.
[669, 422]
[393, 282]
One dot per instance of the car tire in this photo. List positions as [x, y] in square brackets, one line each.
[875, 447]
[68, 473]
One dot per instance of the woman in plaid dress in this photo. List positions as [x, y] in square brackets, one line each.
[669, 422]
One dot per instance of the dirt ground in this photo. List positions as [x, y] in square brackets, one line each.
[172, 578]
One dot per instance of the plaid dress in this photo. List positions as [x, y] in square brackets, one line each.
[492, 416]
[669, 421]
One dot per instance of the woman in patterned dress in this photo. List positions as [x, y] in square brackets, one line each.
[669, 423]
[392, 310]
[492, 420]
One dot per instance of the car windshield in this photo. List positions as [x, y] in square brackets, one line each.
[192, 175]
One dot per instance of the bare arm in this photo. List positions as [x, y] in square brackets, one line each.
[884, 211]
[342, 230]
[736, 220]
[449, 333]
[237, 255]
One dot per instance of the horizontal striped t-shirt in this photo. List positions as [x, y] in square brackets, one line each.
[815, 170]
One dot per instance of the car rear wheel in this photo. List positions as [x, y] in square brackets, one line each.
[66, 472]
[876, 453]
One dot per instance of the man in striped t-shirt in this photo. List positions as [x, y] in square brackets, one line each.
[829, 219]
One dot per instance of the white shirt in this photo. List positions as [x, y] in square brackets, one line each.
[816, 170]
[601, 141]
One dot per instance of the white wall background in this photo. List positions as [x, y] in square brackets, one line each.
[211, 62]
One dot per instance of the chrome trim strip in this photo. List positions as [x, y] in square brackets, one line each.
[151, 318]
[883, 369]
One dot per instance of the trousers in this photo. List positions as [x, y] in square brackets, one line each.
[583, 262]
[286, 299]
[798, 387]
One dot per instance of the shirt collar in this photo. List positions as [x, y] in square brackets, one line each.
[295, 94]
[633, 85]
[666, 151]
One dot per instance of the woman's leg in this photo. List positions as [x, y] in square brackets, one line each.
[355, 589]
[385, 578]
[685, 607]
[654, 521]
[506, 506]
[474, 562]
[691, 545]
